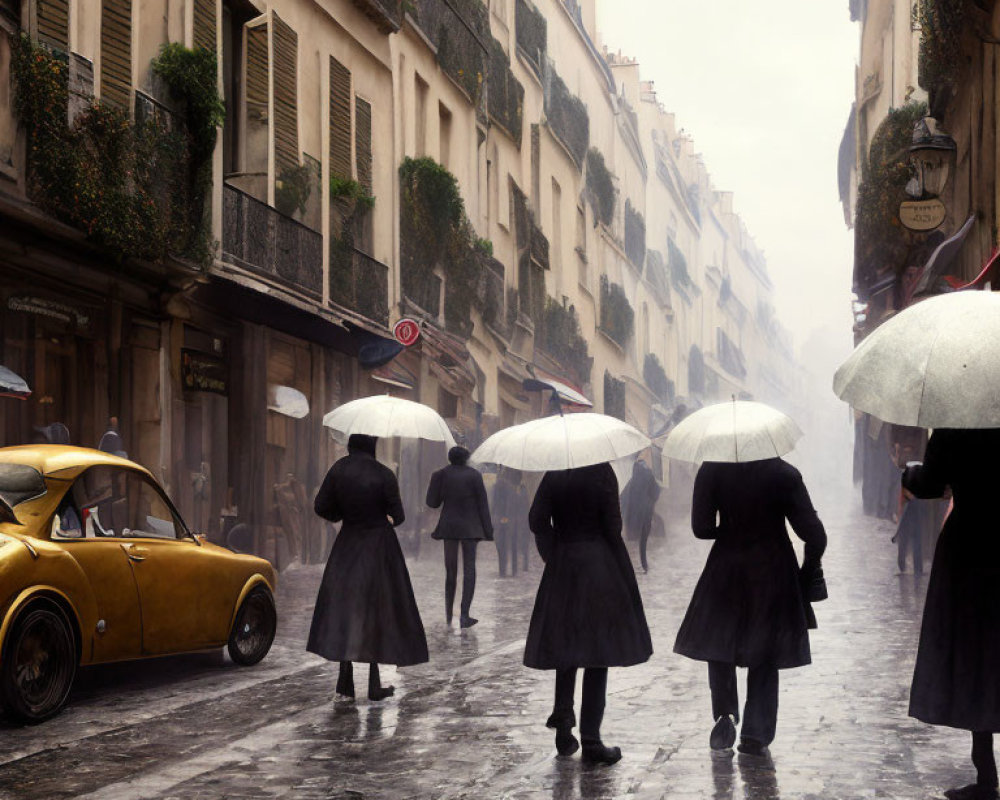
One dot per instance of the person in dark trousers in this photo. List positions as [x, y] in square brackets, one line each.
[638, 502]
[508, 508]
[588, 613]
[958, 659]
[749, 609]
[465, 520]
[914, 520]
[365, 610]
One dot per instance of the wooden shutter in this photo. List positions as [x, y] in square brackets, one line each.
[258, 68]
[340, 119]
[11, 10]
[363, 142]
[51, 21]
[204, 24]
[116, 52]
[286, 93]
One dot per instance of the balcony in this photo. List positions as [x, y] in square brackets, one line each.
[360, 283]
[617, 320]
[386, 14]
[258, 239]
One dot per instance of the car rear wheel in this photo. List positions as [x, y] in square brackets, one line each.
[39, 663]
[253, 630]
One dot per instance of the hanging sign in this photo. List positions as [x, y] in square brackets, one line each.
[922, 215]
[406, 331]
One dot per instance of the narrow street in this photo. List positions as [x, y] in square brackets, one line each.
[470, 724]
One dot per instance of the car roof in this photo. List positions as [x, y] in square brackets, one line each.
[52, 458]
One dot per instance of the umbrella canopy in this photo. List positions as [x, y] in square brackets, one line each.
[287, 401]
[561, 442]
[935, 364]
[384, 416]
[734, 432]
[12, 384]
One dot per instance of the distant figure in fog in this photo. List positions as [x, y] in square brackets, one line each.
[955, 680]
[914, 520]
[638, 503]
[749, 608]
[365, 610]
[588, 613]
[510, 508]
[465, 520]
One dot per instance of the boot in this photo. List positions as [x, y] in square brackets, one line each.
[596, 752]
[345, 679]
[376, 691]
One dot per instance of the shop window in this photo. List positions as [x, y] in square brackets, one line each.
[447, 404]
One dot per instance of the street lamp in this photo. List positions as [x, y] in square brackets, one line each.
[930, 154]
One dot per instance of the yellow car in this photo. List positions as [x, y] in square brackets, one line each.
[96, 565]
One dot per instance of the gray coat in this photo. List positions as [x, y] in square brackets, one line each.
[466, 512]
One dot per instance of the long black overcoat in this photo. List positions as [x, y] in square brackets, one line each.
[956, 680]
[639, 500]
[748, 607]
[466, 512]
[365, 610]
[588, 612]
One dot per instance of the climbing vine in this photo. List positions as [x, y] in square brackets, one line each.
[617, 316]
[561, 337]
[939, 57]
[601, 187]
[656, 379]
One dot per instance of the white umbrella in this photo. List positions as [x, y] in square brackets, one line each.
[383, 416]
[734, 432]
[12, 384]
[561, 442]
[935, 364]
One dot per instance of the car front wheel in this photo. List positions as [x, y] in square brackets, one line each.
[253, 630]
[39, 663]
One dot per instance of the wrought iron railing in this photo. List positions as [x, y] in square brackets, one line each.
[360, 283]
[261, 240]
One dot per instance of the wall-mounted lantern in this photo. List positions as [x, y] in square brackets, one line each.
[930, 154]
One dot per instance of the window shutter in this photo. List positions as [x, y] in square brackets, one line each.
[258, 69]
[340, 119]
[51, 21]
[116, 52]
[204, 24]
[286, 123]
[363, 142]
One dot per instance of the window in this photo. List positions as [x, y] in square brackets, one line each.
[444, 135]
[235, 14]
[421, 90]
[447, 404]
[116, 502]
[556, 254]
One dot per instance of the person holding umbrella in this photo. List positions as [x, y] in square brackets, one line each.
[465, 520]
[365, 610]
[936, 365]
[588, 612]
[750, 607]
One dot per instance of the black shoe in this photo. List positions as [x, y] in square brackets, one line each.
[974, 791]
[723, 735]
[752, 747]
[467, 622]
[566, 743]
[560, 719]
[598, 753]
[345, 681]
[381, 693]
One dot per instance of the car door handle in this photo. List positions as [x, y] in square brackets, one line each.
[134, 552]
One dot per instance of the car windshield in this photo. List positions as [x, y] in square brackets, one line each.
[18, 483]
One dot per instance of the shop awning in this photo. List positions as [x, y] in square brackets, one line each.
[12, 384]
[566, 393]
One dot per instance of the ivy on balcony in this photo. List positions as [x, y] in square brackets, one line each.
[677, 264]
[635, 235]
[601, 187]
[504, 93]
[939, 58]
[614, 396]
[567, 118]
[658, 275]
[460, 30]
[617, 316]
[434, 230]
[138, 188]
[560, 336]
[532, 33]
[655, 377]
[880, 242]
[350, 206]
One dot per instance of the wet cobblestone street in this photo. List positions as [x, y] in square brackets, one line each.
[470, 724]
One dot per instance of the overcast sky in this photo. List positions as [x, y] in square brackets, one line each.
[764, 90]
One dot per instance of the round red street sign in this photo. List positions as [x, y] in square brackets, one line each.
[406, 331]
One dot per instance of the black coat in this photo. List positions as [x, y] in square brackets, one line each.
[365, 610]
[639, 500]
[466, 512]
[956, 680]
[748, 607]
[588, 612]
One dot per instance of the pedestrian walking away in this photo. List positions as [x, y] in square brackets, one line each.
[465, 520]
[958, 658]
[638, 502]
[365, 610]
[510, 511]
[588, 613]
[750, 607]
